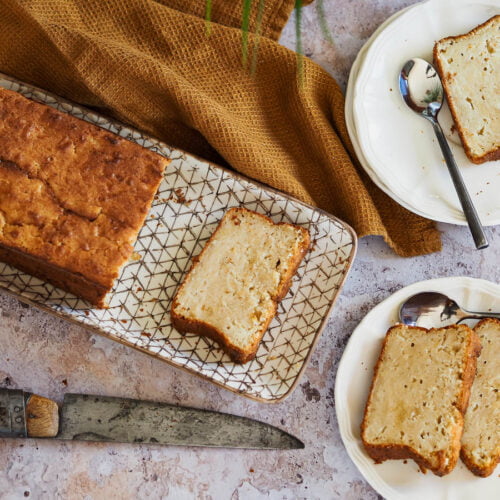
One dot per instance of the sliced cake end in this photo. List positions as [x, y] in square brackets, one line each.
[481, 438]
[73, 196]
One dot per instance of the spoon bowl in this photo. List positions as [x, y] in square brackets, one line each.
[421, 88]
[435, 310]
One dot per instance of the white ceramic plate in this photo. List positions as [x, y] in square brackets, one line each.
[349, 100]
[398, 145]
[394, 479]
[444, 116]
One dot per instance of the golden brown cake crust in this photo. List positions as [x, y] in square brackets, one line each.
[187, 325]
[476, 469]
[73, 196]
[491, 155]
[380, 453]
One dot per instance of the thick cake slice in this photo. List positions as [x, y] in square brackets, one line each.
[419, 393]
[469, 67]
[232, 291]
[481, 438]
[73, 196]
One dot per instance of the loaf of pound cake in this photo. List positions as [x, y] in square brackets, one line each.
[233, 289]
[419, 393]
[481, 438]
[73, 197]
[469, 67]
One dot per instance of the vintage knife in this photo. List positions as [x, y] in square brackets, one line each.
[100, 418]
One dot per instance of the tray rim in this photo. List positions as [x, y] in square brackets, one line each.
[67, 317]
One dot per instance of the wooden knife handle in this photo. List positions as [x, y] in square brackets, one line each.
[42, 417]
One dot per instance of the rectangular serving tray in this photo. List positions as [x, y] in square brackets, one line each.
[189, 204]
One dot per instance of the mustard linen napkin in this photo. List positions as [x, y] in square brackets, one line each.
[151, 64]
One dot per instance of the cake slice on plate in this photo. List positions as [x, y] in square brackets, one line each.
[469, 67]
[419, 394]
[481, 439]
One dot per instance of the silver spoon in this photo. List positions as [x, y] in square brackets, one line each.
[422, 91]
[433, 309]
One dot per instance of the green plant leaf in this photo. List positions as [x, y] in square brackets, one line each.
[325, 30]
[298, 42]
[245, 24]
[208, 17]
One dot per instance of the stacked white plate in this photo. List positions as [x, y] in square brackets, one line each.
[396, 147]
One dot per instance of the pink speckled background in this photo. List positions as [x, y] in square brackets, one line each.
[51, 357]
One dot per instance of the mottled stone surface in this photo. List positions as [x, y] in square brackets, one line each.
[51, 357]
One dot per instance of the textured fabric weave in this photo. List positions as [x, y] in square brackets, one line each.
[151, 64]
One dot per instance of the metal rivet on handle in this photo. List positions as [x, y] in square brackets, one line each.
[19, 420]
[17, 409]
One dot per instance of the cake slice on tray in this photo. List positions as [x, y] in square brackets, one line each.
[232, 291]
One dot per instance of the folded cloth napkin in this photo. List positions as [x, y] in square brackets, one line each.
[153, 64]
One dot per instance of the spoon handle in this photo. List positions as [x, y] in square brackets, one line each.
[479, 315]
[470, 213]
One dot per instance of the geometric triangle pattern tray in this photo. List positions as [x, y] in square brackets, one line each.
[189, 204]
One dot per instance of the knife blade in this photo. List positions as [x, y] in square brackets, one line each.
[85, 417]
